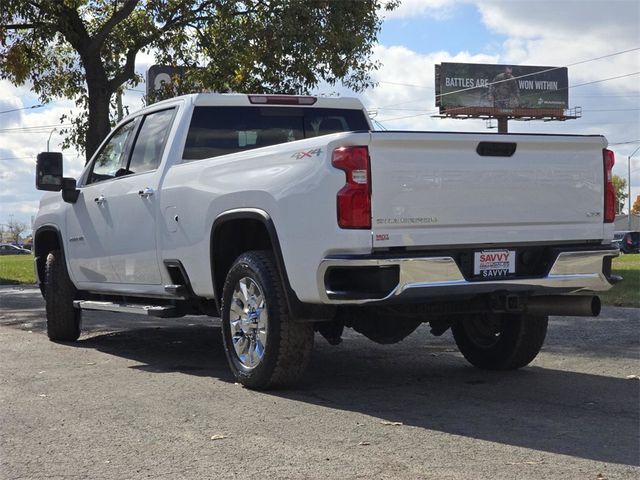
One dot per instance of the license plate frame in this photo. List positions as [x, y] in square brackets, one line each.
[494, 263]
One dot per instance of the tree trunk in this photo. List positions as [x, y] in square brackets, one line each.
[98, 127]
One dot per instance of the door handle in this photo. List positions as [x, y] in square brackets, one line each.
[100, 200]
[146, 193]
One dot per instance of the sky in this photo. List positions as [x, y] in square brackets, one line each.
[413, 38]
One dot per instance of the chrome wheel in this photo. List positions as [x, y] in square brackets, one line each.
[248, 319]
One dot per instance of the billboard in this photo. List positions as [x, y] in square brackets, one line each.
[520, 88]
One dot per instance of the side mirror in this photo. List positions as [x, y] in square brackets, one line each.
[69, 191]
[49, 176]
[49, 171]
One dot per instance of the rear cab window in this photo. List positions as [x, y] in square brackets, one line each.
[216, 131]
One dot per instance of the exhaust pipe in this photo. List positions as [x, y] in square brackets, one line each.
[562, 305]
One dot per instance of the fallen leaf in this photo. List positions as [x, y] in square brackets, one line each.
[218, 437]
[364, 444]
[394, 424]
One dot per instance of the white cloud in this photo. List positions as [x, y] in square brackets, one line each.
[406, 79]
[438, 9]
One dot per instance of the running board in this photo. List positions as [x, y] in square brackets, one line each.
[140, 309]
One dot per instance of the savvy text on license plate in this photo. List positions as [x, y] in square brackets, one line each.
[494, 263]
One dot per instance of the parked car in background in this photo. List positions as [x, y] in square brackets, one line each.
[8, 249]
[627, 242]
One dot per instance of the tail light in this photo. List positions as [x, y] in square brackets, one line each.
[609, 190]
[354, 199]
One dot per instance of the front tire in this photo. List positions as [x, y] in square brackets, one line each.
[500, 341]
[265, 348]
[63, 320]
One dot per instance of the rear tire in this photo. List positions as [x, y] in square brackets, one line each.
[265, 348]
[500, 341]
[63, 321]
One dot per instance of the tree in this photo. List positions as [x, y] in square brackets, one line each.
[620, 185]
[635, 209]
[85, 50]
[16, 228]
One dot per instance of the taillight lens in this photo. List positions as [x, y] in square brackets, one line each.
[354, 199]
[609, 190]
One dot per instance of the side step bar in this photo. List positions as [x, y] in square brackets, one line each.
[162, 311]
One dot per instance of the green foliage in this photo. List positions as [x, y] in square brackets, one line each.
[85, 49]
[620, 185]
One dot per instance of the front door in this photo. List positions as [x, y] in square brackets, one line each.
[90, 220]
[115, 215]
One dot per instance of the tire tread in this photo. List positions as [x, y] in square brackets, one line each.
[63, 320]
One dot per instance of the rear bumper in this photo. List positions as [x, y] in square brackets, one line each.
[424, 278]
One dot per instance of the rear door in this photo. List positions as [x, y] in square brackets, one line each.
[442, 189]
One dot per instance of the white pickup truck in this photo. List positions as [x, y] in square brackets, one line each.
[286, 215]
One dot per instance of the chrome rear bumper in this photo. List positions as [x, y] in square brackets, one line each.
[428, 277]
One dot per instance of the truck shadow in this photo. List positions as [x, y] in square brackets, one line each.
[424, 385]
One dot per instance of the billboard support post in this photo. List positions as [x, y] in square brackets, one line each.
[503, 125]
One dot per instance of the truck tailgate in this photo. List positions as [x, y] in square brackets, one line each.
[435, 189]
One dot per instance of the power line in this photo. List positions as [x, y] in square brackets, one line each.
[634, 95]
[35, 127]
[612, 110]
[625, 143]
[23, 108]
[604, 80]
[17, 158]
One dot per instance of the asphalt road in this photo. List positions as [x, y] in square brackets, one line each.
[139, 398]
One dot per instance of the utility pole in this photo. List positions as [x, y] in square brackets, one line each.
[629, 186]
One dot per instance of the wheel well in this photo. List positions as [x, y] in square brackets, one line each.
[44, 242]
[230, 240]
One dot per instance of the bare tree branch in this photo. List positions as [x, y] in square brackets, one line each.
[22, 26]
[128, 71]
[117, 17]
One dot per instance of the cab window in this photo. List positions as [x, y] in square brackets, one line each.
[110, 158]
[147, 151]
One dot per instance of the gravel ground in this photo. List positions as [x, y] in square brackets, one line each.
[150, 398]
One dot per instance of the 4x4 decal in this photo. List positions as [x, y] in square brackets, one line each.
[316, 152]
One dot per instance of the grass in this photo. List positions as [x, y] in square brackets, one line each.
[627, 292]
[18, 269]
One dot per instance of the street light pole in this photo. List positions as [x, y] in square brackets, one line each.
[629, 186]
[49, 139]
